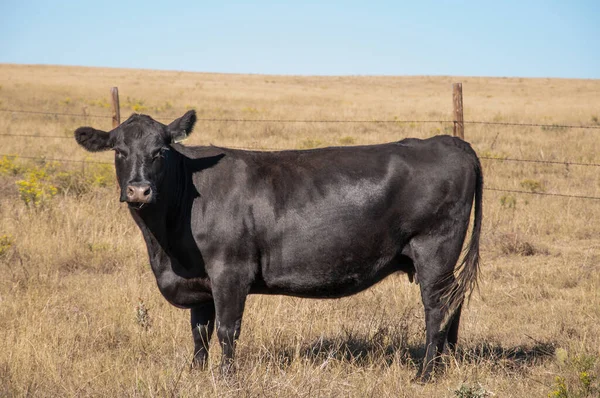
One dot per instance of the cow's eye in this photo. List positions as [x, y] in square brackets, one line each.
[120, 153]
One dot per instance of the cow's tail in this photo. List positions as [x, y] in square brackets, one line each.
[466, 273]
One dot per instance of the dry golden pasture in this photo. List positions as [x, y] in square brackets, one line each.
[80, 314]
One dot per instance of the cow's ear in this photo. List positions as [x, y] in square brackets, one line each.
[180, 128]
[93, 140]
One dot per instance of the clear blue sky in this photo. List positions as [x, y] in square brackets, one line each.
[468, 38]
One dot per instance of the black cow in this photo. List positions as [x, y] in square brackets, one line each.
[220, 223]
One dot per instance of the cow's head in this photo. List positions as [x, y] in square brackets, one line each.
[142, 147]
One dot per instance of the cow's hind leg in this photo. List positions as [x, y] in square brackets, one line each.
[435, 258]
[453, 330]
[203, 324]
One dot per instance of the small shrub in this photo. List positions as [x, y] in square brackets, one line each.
[348, 140]
[102, 103]
[67, 101]
[492, 155]
[250, 110]
[142, 316]
[466, 391]
[6, 242]
[561, 356]
[579, 380]
[308, 144]
[80, 182]
[166, 106]
[139, 107]
[532, 185]
[136, 105]
[514, 244]
[98, 247]
[69, 182]
[508, 201]
[8, 166]
[586, 380]
[595, 119]
[101, 175]
[35, 190]
[559, 389]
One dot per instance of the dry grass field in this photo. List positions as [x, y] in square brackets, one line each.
[80, 314]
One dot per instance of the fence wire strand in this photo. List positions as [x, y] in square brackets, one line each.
[542, 193]
[564, 163]
[549, 126]
[254, 148]
[55, 113]
[36, 136]
[236, 120]
[44, 159]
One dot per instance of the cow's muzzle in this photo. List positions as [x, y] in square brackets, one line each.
[138, 193]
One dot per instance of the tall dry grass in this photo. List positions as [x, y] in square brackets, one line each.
[80, 314]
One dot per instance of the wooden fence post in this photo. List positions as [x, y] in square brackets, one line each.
[116, 117]
[457, 99]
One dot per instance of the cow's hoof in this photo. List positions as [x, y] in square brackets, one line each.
[227, 369]
[423, 377]
[198, 364]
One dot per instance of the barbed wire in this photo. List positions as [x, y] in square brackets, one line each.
[54, 113]
[556, 162]
[485, 188]
[37, 136]
[549, 126]
[45, 159]
[237, 120]
[565, 162]
[542, 193]
[315, 121]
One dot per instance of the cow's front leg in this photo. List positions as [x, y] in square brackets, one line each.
[203, 324]
[230, 294]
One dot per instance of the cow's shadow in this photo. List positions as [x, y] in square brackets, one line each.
[365, 351]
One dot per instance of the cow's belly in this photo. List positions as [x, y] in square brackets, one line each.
[336, 252]
[329, 278]
[314, 285]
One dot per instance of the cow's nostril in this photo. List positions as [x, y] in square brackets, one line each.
[147, 192]
[130, 191]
